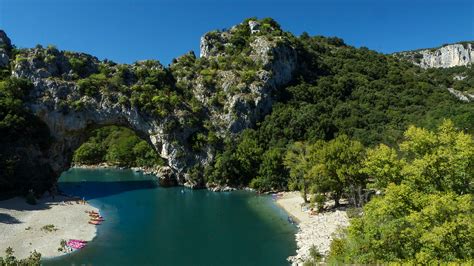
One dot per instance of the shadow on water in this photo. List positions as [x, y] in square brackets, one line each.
[98, 189]
[8, 219]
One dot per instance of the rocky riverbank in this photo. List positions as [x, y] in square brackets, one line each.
[158, 172]
[313, 230]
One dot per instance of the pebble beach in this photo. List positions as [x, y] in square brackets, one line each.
[313, 230]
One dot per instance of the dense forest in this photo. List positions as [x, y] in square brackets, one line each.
[352, 122]
[340, 90]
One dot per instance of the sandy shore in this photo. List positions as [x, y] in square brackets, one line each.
[314, 230]
[21, 225]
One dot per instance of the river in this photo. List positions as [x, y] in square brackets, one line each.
[150, 225]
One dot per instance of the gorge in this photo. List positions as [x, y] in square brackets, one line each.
[352, 129]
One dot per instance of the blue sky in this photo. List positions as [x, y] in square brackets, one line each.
[126, 30]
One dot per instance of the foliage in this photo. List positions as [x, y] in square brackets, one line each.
[383, 166]
[116, 146]
[370, 97]
[315, 256]
[425, 215]
[271, 174]
[297, 161]
[89, 153]
[237, 164]
[10, 260]
[327, 167]
[78, 65]
[18, 130]
[442, 160]
[93, 84]
[335, 168]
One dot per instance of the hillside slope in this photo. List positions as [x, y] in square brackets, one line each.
[223, 118]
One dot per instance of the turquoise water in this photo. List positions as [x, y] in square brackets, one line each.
[150, 225]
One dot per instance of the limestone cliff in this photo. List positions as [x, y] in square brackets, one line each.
[231, 98]
[451, 55]
[5, 46]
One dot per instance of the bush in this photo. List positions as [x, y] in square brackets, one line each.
[93, 84]
[78, 65]
[11, 260]
[49, 228]
[319, 199]
[315, 257]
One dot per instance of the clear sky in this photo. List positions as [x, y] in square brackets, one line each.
[126, 30]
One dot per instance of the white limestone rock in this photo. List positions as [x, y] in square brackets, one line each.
[451, 55]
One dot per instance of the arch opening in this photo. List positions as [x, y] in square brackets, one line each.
[117, 146]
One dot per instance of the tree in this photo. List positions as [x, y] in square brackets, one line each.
[121, 153]
[335, 168]
[425, 214]
[382, 166]
[271, 174]
[439, 161]
[89, 153]
[145, 155]
[409, 225]
[297, 162]
[248, 155]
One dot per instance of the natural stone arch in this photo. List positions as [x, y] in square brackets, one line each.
[70, 128]
[55, 89]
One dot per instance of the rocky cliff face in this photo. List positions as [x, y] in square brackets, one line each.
[247, 102]
[459, 54]
[5, 46]
[245, 95]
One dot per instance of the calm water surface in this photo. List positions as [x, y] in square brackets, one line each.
[150, 225]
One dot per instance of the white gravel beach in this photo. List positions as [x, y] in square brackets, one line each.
[314, 230]
[21, 225]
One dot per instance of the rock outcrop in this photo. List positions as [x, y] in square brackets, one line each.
[70, 114]
[5, 45]
[276, 63]
[451, 55]
[462, 96]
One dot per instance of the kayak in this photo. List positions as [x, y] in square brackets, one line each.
[76, 244]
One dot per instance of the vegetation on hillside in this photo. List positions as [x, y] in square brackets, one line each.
[116, 146]
[340, 90]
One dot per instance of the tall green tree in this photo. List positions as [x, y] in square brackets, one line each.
[271, 174]
[335, 168]
[297, 161]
